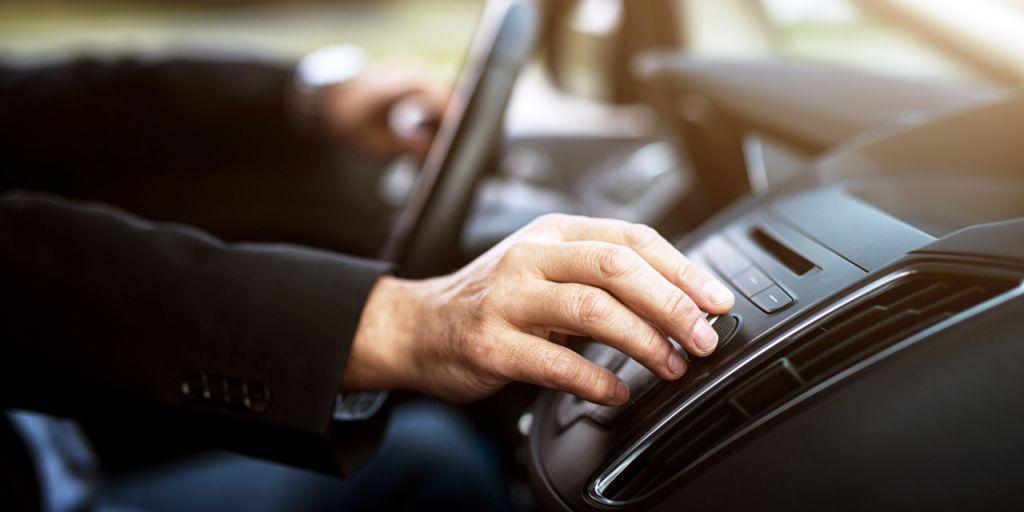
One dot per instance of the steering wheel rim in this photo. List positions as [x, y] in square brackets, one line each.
[426, 233]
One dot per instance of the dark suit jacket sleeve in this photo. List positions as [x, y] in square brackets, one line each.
[102, 313]
[68, 123]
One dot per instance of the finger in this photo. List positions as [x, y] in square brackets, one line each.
[594, 312]
[381, 142]
[387, 86]
[626, 275]
[412, 121]
[421, 146]
[706, 291]
[536, 361]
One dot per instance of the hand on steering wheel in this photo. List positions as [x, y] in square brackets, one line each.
[465, 335]
[361, 112]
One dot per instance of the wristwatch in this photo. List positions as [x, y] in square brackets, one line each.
[319, 72]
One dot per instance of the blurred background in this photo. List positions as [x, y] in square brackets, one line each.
[434, 32]
[585, 132]
[975, 41]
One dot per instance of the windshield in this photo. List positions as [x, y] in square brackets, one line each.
[980, 41]
[432, 32]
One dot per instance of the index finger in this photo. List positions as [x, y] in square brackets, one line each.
[706, 291]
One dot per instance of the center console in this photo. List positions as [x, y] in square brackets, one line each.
[833, 282]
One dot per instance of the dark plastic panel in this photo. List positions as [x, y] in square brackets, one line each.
[857, 231]
[1001, 240]
[933, 427]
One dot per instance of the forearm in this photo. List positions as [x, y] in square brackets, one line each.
[100, 306]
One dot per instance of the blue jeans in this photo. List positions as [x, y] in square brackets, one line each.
[430, 459]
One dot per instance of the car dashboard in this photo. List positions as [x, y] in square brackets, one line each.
[879, 303]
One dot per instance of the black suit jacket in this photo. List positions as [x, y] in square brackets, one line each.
[106, 315]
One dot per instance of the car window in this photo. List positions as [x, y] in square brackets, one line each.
[942, 40]
[435, 32]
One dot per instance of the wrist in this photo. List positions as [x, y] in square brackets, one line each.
[380, 354]
[318, 78]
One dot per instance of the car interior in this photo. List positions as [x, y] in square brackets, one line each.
[871, 226]
[879, 281]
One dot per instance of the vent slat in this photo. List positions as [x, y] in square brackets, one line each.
[711, 420]
[829, 357]
[909, 331]
[753, 398]
[960, 300]
[863, 319]
[808, 346]
[847, 337]
[921, 297]
[691, 448]
[817, 356]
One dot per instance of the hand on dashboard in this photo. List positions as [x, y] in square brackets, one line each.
[387, 111]
[465, 335]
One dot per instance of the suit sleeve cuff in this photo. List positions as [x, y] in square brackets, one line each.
[358, 406]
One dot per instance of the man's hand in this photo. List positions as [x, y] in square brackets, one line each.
[360, 112]
[465, 335]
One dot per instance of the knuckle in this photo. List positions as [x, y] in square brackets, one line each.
[550, 220]
[689, 272]
[473, 333]
[614, 262]
[494, 309]
[492, 357]
[652, 346]
[678, 305]
[592, 306]
[481, 350]
[641, 235]
[519, 252]
[564, 370]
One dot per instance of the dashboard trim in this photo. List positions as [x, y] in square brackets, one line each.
[600, 484]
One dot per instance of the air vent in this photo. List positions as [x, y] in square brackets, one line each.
[890, 314]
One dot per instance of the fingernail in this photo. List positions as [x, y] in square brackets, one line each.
[676, 363]
[717, 293]
[704, 336]
[621, 393]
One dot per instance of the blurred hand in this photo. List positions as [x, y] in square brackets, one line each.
[463, 336]
[359, 112]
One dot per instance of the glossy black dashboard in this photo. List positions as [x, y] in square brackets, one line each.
[876, 271]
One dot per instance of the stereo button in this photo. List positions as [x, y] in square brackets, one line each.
[724, 257]
[752, 281]
[772, 299]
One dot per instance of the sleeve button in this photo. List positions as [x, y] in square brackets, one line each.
[257, 397]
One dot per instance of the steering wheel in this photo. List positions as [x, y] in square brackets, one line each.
[426, 233]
